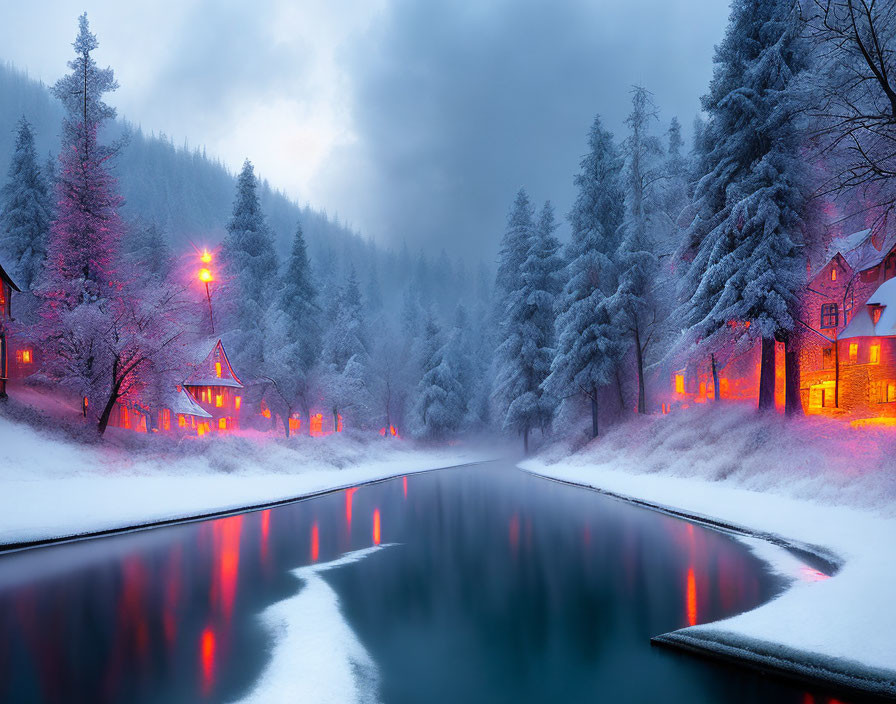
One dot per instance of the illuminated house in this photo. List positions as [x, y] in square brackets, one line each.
[183, 414]
[7, 286]
[852, 272]
[216, 389]
[867, 351]
[837, 374]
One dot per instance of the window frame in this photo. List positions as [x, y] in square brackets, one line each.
[830, 312]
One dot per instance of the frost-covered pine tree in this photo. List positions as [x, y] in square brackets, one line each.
[25, 211]
[345, 356]
[748, 265]
[526, 346]
[590, 342]
[293, 334]
[636, 296]
[439, 408]
[251, 272]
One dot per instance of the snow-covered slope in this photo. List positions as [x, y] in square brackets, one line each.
[812, 483]
[53, 488]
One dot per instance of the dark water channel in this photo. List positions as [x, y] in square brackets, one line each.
[501, 587]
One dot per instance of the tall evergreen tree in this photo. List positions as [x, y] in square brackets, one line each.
[527, 336]
[637, 260]
[25, 211]
[590, 341]
[251, 271]
[440, 407]
[293, 337]
[748, 265]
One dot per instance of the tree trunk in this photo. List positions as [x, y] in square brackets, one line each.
[639, 356]
[107, 411]
[335, 420]
[715, 378]
[767, 375]
[792, 404]
[619, 391]
[526, 441]
[286, 423]
[593, 413]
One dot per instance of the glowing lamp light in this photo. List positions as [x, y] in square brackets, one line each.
[206, 257]
[205, 276]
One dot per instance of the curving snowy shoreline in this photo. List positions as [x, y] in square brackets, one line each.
[837, 630]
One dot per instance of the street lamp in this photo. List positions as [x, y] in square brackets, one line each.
[206, 277]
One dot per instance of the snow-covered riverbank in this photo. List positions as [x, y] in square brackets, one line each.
[812, 483]
[51, 487]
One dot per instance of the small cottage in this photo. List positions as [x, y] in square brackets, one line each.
[7, 286]
[216, 389]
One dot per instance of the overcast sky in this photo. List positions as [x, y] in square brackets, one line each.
[413, 120]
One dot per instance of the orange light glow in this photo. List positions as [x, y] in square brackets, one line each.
[864, 422]
[206, 256]
[222, 424]
[315, 542]
[376, 526]
[205, 276]
[383, 432]
[237, 402]
[181, 420]
[265, 411]
[853, 351]
[26, 356]
[338, 424]
[404, 486]
[218, 369]
[349, 493]
[227, 556]
[207, 655]
[833, 274]
[166, 419]
[679, 383]
[874, 354]
[692, 598]
[393, 430]
[219, 400]
[265, 532]
[316, 424]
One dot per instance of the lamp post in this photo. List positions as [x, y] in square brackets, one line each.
[205, 276]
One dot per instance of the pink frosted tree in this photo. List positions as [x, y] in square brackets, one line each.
[103, 327]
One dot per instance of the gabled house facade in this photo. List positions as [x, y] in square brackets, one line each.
[216, 389]
[849, 275]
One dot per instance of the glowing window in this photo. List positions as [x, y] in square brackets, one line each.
[891, 391]
[222, 424]
[853, 351]
[181, 421]
[26, 356]
[830, 315]
[833, 274]
[237, 401]
[125, 417]
[679, 383]
[218, 369]
[874, 354]
[219, 400]
[166, 419]
[875, 314]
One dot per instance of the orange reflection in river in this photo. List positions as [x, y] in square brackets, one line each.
[349, 493]
[227, 560]
[376, 526]
[315, 542]
[207, 658]
[404, 484]
[692, 598]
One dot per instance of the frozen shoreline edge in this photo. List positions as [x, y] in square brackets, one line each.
[51, 540]
[765, 656]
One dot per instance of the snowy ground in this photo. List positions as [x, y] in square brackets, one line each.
[54, 487]
[317, 657]
[812, 482]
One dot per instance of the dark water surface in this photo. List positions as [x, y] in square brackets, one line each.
[503, 588]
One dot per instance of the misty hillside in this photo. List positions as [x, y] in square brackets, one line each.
[186, 192]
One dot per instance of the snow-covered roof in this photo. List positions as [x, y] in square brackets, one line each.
[182, 403]
[862, 324]
[8, 279]
[204, 373]
[858, 251]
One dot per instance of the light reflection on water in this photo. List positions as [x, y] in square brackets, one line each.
[504, 588]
